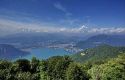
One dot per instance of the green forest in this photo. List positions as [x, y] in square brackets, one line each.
[63, 68]
[100, 52]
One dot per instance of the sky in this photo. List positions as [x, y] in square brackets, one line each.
[74, 16]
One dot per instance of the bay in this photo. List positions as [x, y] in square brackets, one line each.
[44, 53]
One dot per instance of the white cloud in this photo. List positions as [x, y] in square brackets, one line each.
[109, 30]
[12, 27]
[72, 22]
[62, 8]
[16, 27]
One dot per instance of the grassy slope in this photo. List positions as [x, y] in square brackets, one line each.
[98, 53]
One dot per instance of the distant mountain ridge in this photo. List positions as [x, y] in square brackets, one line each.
[114, 40]
[9, 52]
[37, 37]
[98, 53]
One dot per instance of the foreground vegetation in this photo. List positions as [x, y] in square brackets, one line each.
[63, 68]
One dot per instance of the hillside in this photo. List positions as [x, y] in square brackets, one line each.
[98, 53]
[114, 40]
[10, 52]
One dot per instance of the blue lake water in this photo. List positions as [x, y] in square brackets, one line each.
[44, 53]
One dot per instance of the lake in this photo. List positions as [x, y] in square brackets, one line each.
[44, 53]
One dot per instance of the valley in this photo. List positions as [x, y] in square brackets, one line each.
[68, 45]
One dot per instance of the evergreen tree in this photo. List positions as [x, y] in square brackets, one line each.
[75, 72]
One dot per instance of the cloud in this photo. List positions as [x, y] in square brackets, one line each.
[86, 30]
[72, 22]
[8, 26]
[62, 8]
[12, 27]
[109, 30]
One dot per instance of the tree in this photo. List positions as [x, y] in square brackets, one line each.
[55, 67]
[4, 74]
[114, 69]
[24, 76]
[95, 72]
[75, 72]
[34, 65]
[61, 66]
[5, 70]
[23, 65]
[5, 64]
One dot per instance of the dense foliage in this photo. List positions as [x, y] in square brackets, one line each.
[63, 68]
[114, 69]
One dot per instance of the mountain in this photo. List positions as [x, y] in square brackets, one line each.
[98, 53]
[38, 39]
[9, 52]
[114, 40]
